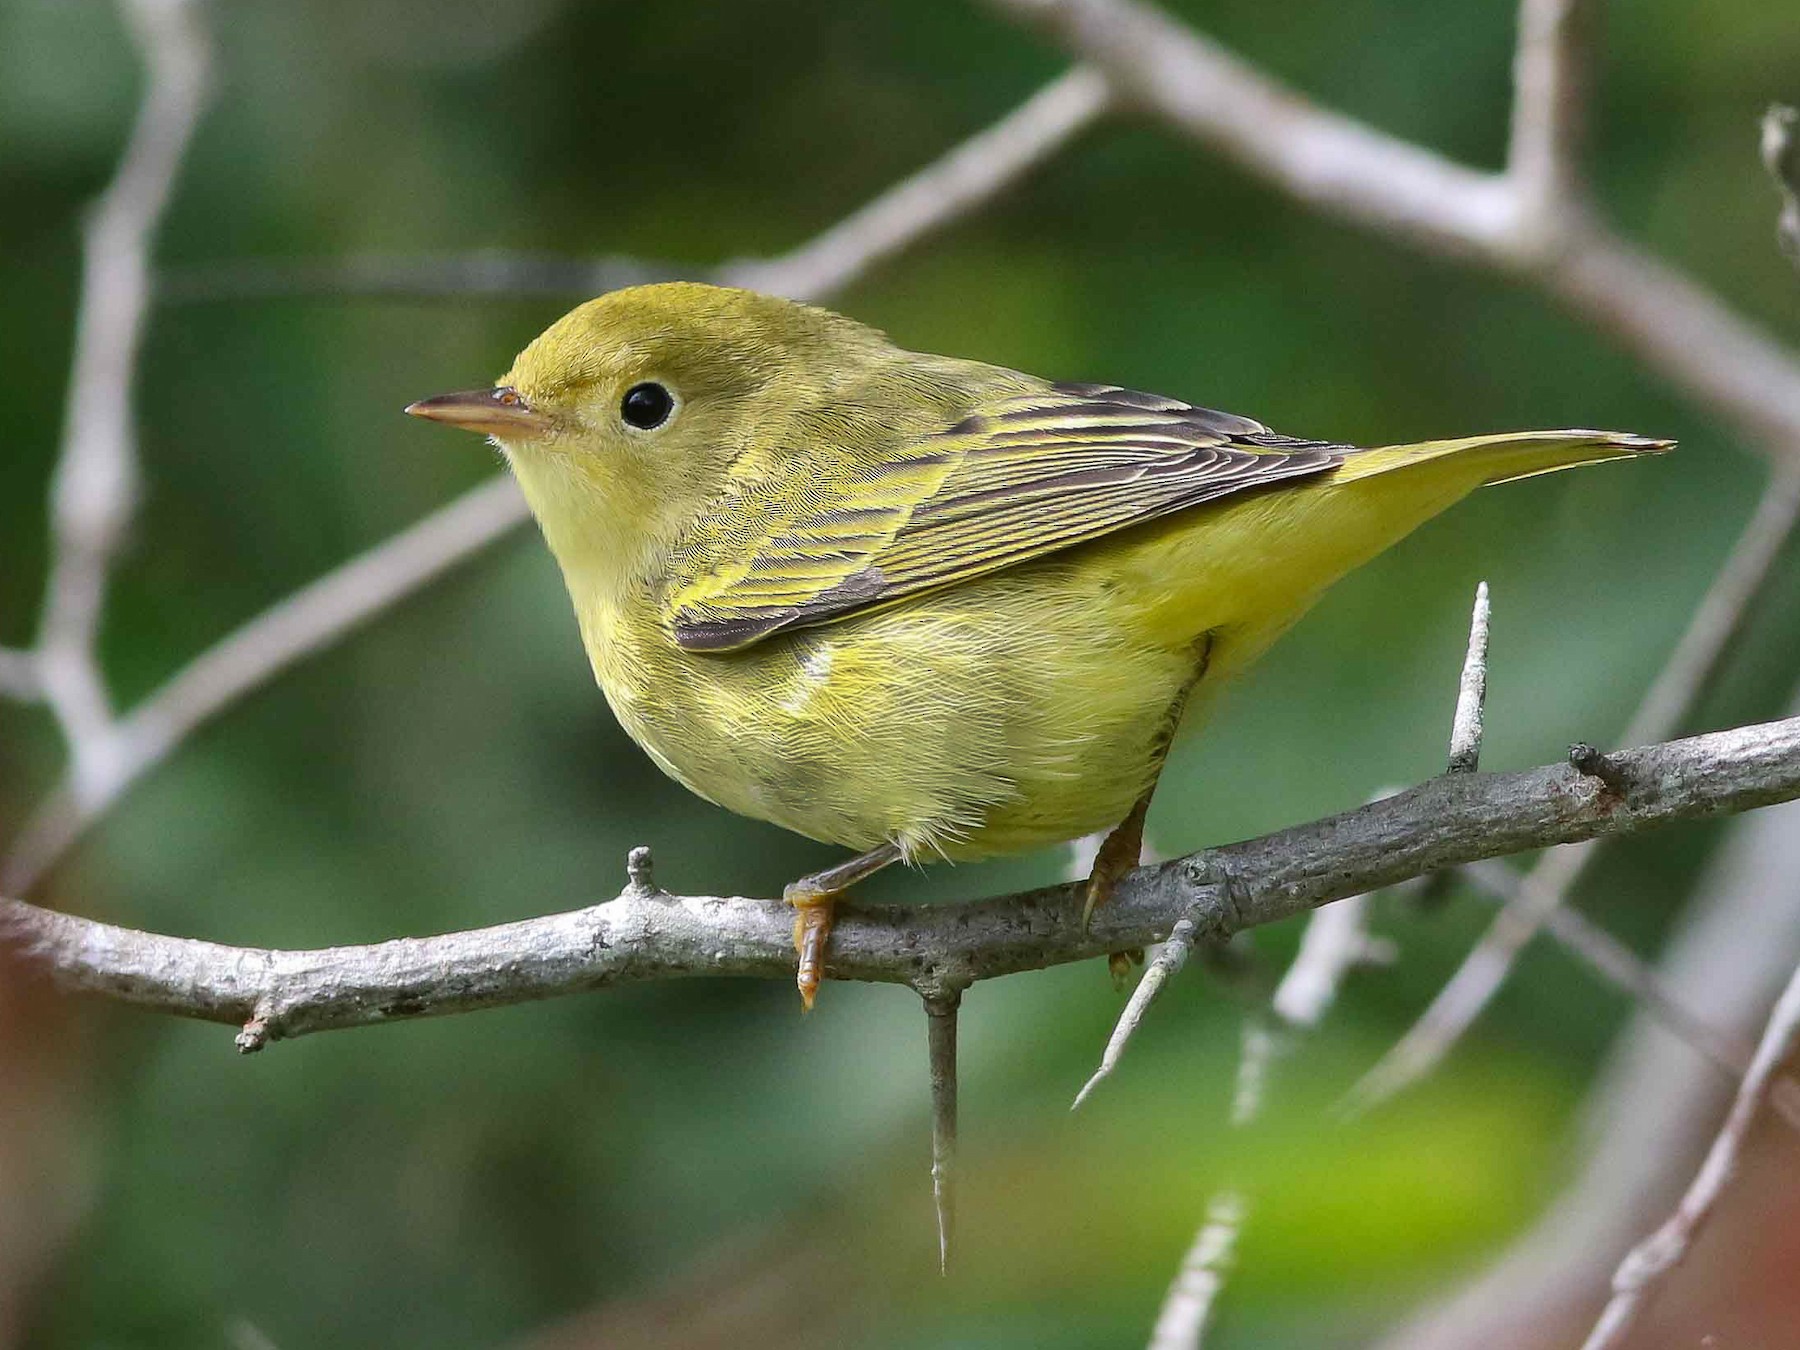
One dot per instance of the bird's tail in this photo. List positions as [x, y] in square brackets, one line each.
[1505, 457]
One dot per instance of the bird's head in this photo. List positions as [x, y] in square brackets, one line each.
[625, 418]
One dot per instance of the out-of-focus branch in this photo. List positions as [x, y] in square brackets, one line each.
[1781, 153]
[937, 196]
[1626, 971]
[1186, 1309]
[1685, 678]
[645, 934]
[1664, 1249]
[1314, 977]
[1656, 1107]
[944, 192]
[1527, 222]
[1551, 71]
[19, 676]
[283, 635]
[94, 490]
[1336, 941]
[1713, 631]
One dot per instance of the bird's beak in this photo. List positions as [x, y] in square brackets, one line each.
[500, 412]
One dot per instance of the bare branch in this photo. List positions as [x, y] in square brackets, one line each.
[286, 633]
[19, 676]
[1686, 677]
[938, 196]
[1680, 329]
[1638, 980]
[1336, 941]
[1471, 697]
[95, 487]
[1712, 634]
[1187, 1307]
[1656, 1107]
[643, 935]
[1664, 1249]
[1781, 155]
[1551, 67]
[1345, 168]
[1333, 163]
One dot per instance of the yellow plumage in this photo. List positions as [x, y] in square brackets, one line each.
[879, 597]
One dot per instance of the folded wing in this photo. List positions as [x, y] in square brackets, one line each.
[1026, 478]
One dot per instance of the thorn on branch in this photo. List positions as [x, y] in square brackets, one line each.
[940, 1030]
[1591, 763]
[1170, 957]
[1471, 700]
[640, 874]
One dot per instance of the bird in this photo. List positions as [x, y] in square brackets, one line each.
[917, 606]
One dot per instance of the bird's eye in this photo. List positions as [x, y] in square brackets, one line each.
[646, 406]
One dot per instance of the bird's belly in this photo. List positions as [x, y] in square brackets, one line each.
[999, 716]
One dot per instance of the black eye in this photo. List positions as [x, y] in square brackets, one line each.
[646, 406]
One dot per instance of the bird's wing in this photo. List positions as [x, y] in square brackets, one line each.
[1029, 476]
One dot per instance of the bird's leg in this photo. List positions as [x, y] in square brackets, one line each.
[813, 898]
[1118, 853]
[1120, 850]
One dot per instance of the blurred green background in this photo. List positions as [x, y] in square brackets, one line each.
[655, 1165]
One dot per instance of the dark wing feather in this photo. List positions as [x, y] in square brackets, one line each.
[1026, 478]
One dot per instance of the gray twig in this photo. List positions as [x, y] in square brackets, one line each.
[283, 635]
[1551, 71]
[1684, 681]
[1186, 1309]
[1781, 155]
[94, 490]
[1664, 1249]
[937, 196]
[1638, 980]
[1336, 941]
[1655, 1107]
[19, 676]
[1441, 823]
[1345, 168]
[1471, 697]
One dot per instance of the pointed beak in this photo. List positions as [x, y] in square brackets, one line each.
[500, 412]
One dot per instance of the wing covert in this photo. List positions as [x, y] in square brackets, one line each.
[1027, 477]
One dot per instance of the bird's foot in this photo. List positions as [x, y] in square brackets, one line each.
[814, 899]
[812, 927]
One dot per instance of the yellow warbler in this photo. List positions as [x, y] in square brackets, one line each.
[915, 605]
